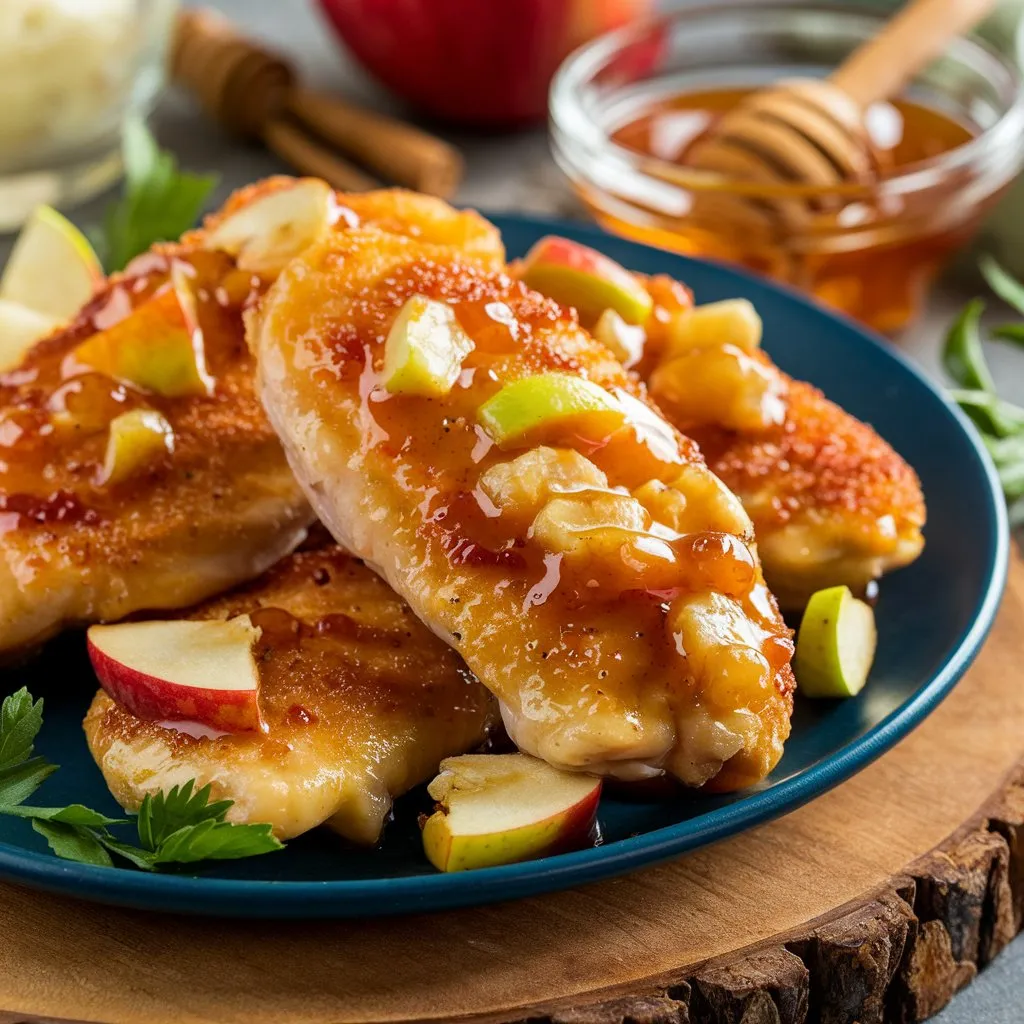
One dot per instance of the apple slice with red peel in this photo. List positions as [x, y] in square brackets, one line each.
[158, 347]
[267, 233]
[503, 808]
[578, 276]
[181, 670]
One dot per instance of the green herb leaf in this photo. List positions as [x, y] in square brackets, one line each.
[991, 415]
[73, 814]
[1009, 332]
[963, 356]
[158, 203]
[1007, 287]
[1005, 450]
[140, 858]
[72, 842]
[216, 840]
[20, 722]
[162, 815]
[19, 781]
[1011, 476]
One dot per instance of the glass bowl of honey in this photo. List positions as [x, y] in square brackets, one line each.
[627, 109]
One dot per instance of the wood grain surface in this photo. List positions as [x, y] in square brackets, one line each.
[875, 902]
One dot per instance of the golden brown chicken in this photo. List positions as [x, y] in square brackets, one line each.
[137, 469]
[469, 440]
[360, 703]
[830, 500]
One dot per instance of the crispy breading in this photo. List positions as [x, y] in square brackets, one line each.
[630, 645]
[361, 702]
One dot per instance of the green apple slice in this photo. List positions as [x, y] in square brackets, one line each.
[425, 348]
[158, 347]
[20, 329]
[503, 808]
[53, 269]
[575, 275]
[835, 645]
[546, 404]
[267, 233]
[136, 439]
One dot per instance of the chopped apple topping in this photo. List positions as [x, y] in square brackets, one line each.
[158, 347]
[546, 404]
[265, 234]
[575, 275]
[722, 385]
[425, 348]
[136, 439]
[520, 487]
[696, 500]
[731, 322]
[625, 341]
[722, 647]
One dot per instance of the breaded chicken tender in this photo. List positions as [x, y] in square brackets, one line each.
[360, 701]
[137, 468]
[516, 487]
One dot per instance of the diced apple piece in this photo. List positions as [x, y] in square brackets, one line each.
[52, 269]
[266, 234]
[730, 322]
[625, 341]
[575, 275]
[20, 329]
[503, 808]
[158, 347]
[180, 670]
[136, 439]
[548, 404]
[835, 645]
[425, 348]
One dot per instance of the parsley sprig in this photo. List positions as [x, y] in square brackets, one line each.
[1000, 423]
[158, 203]
[181, 826]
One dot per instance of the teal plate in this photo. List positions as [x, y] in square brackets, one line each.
[932, 619]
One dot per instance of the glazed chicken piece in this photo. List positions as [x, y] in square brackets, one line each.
[830, 500]
[360, 701]
[137, 468]
[589, 568]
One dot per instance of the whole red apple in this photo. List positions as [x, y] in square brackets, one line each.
[479, 62]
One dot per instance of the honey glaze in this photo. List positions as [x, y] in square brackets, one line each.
[871, 256]
[57, 410]
[536, 557]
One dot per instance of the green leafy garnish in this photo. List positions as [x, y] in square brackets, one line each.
[157, 204]
[181, 826]
[1000, 423]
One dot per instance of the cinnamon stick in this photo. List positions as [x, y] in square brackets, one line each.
[296, 148]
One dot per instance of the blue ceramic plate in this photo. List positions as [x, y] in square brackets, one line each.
[932, 619]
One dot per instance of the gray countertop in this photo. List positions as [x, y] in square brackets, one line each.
[515, 172]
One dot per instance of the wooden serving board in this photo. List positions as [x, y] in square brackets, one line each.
[876, 902]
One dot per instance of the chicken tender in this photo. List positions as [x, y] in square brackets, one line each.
[361, 702]
[590, 569]
[137, 468]
[831, 502]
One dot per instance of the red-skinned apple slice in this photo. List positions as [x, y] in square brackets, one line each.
[504, 808]
[181, 670]
[578, 276]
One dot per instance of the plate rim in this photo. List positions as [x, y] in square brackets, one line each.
[386, 896]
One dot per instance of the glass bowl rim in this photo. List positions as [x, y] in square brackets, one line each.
[570, 122]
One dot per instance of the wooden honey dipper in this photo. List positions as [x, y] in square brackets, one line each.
[256, 94]
[811, 131]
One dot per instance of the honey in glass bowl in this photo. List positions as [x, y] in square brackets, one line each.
[627, 109]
